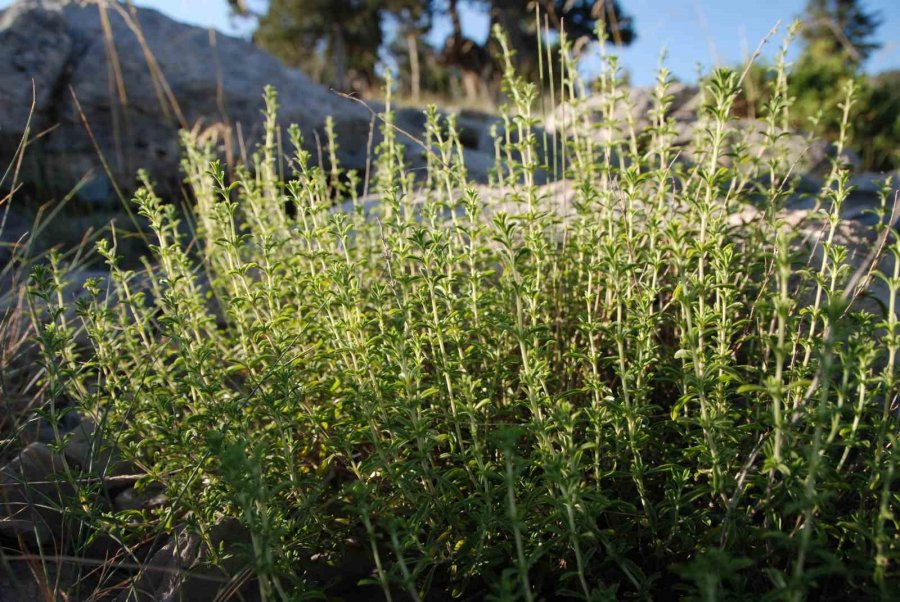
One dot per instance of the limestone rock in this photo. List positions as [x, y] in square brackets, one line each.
[133, 499]
[18, 584]
[588, 112]
[86, 448]
[13, 230]
[180, 571]
[35, 44]
[860, 239]
[33, 489]
[172, 76]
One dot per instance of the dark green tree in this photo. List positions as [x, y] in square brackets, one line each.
[339, 42]
[840, 28]
[579, 18]
[414, 56]
[839, 35]
[877, 125]
[334, 41]
[518, 19]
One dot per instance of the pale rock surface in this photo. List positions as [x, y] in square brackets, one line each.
[32, 488]
[137, 87]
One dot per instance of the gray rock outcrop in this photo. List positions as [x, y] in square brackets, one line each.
[138, 80]
[32, 488]
[595, 118]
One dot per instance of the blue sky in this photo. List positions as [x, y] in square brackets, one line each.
[708, 32]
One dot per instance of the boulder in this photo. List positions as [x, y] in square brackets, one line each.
[35, 46]
[19, 584]
[151, 496]
[82, 445]
[866, 193]
[860, 239]
[14, 410]
[33, 488]
[588, 112]
[164, 572]
[14, 230]
[138, 83]
[86, 448]
[811, 158]
[474, 129]
[183, 568]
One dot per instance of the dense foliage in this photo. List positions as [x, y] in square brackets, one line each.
[334, 41]
[602, 388]
[342, 42]
[839, 36]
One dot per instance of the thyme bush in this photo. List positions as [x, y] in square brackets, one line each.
[602, 388]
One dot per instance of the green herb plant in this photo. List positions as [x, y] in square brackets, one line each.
[598, 388]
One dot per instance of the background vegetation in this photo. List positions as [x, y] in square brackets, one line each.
[345, 43]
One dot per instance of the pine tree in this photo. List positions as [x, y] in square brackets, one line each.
[338, 42]
[414, 56]
[839, 36]
[517, 18]
[840, 28]
[334, 41]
